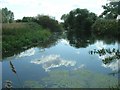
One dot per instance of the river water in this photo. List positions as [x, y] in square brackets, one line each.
[64, 64]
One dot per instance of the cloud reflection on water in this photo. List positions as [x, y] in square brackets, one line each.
[65, 42]
[80, 67]
[113, 65]
[28, 52]
[53, 61]
[100, 45]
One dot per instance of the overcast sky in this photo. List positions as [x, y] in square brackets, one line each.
[54, 8]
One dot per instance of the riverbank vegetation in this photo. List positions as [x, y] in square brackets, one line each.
[18, 36]
[107, 23]
[79, 20]
[24, 33]
[21, 33]
[7, 15]
[81, 27]
[106, 27]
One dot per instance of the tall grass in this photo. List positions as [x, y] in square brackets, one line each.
[16, 36]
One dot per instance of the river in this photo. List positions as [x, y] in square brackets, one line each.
[67, 63]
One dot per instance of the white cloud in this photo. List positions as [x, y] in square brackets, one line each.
[107, 55]
[53, 61]
[63, 41]
[115, 66]
[100, 45]
[80, 67]
[52, 7]
[28, 52]
[112, 65]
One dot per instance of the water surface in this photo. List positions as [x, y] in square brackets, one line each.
[63, 64]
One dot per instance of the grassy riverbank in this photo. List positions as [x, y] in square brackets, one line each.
[18, 36]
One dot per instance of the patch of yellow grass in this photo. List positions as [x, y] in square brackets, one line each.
[13, 25]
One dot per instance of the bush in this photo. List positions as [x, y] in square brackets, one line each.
[106, 27]
[48, 22]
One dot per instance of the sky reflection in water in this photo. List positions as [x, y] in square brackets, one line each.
[53, 61]
[114, 65]
[40, 62]
[28, 52]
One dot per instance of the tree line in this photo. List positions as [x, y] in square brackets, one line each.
[45, 21]
[77, 20]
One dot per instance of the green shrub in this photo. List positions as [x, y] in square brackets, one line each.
[106, 27]
[48, 22]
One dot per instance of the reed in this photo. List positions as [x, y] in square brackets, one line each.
[15, 72]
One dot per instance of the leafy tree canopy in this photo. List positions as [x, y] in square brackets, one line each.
[111, 10]
[7, 16]
[48, 22]
[78, 19]
[27, 19]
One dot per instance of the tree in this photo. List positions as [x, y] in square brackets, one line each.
[48, 22]
[28, 19]
[79, 19]
[7, 16]
[111, 10]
